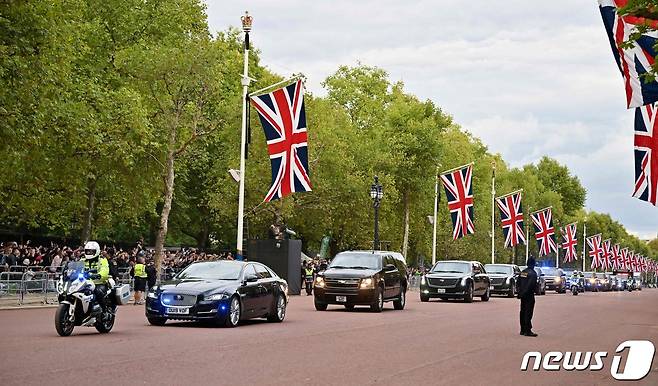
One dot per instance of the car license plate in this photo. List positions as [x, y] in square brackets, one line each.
[178, 310]
[440, 291]
[341, 299]
[491, 287]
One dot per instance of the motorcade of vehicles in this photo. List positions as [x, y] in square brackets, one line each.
[503, 278]
[555, 279]
[78, 305]
[368, 278]
[592, 282]
[223, 292]
[456, 279]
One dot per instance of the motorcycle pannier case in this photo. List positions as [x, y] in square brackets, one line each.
[122, 293]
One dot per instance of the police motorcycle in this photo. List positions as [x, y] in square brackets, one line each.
[575, 284]
[77, 303]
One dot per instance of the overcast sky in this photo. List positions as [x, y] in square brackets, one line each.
[530, 78]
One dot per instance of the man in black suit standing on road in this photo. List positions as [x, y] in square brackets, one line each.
[527, 285]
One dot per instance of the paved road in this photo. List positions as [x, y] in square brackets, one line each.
[432, 343]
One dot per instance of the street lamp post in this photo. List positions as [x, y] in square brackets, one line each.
[376, 193]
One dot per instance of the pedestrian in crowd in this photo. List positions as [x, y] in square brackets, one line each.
[527, 285]
[56, 263]
[12, 258]
[151, 275]
[139, 273]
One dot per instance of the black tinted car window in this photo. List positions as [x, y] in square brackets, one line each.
[358, 260]
[217, 270]
[249, 270]
[262, 272]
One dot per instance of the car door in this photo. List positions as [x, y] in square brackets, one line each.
[266, 289]
[391, 277]
[250, 292]
[478, 279]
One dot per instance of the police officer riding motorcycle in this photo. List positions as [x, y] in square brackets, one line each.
[86, 294]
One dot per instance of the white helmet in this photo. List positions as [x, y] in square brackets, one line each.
[92, 250]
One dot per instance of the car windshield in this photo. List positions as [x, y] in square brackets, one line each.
[452, 267]
[356, 260]
[550, 271]
[497, 268]
[214, 270]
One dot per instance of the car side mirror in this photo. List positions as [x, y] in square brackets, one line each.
[250, 278]
[389, 267]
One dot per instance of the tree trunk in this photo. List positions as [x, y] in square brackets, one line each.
[89, 213]
[405, 241]
[166, 206]
[202, 238]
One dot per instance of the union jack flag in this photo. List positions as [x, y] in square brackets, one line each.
[646, 154]
[616, 256]
[606, 255]
[511, 216]
[459, 192]
[595, 250]
[635, 61]
[623, 259]
[643, 264]
[569, 242]
[630, 258]
[283, 117]
[544, 231]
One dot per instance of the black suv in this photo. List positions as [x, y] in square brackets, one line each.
[455, 279]
[362, 278]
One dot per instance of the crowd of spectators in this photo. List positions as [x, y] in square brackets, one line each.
[22, 257]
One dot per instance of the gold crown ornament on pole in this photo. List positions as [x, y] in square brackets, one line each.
[246, 21]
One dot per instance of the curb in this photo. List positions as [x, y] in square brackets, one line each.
[28, 307]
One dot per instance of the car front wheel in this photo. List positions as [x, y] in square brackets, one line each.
[469, 294]
[320, 306]
[424, 298]
[401, 301]
[234, 313]
[378, 305]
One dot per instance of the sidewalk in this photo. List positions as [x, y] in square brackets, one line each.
[9, 302]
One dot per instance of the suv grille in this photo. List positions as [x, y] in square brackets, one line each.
[442, 283]
[497, 280]
[178, 299]
[342, 285]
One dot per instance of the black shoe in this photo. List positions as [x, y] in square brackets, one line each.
[532, 334]
[522, 333]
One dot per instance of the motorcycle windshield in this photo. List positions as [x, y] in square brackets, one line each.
[74, 269]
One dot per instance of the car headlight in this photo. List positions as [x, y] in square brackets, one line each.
[508, 281]
[464, 279]
[217, 297]
[591, 280]
[367, 283]
[423, 281]
[319, 281]
[152, 295]
[557, 279]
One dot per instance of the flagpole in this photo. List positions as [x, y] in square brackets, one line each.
[436, 210]
[557, 251]
[584, 242]
[493, 198]
[246, 27]
[527, 236]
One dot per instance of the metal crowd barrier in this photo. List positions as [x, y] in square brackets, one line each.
[29, 282]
